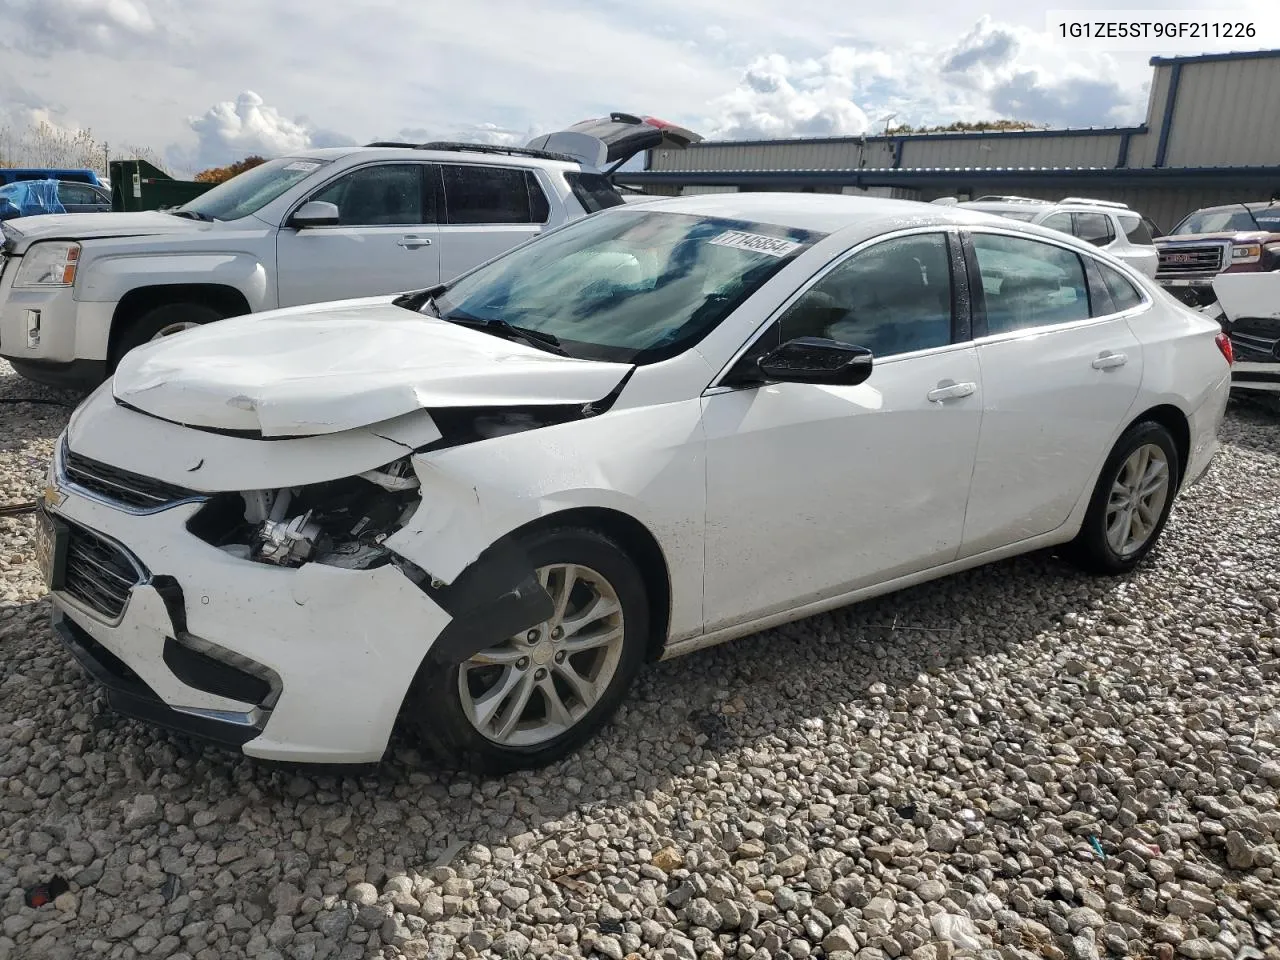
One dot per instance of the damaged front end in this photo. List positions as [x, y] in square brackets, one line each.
[340, 523]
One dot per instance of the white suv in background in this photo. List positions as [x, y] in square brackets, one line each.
[1113, 227]
[78, 292]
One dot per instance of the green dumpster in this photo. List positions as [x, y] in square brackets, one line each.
[138, 185]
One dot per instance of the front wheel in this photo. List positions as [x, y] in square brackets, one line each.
[528, 700]
[164, 321]
[1131, 501]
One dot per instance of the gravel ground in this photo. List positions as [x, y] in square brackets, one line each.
[1014, 763]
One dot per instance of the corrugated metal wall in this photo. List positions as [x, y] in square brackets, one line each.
[781, 155]
[1024, 151]
[1227, 114]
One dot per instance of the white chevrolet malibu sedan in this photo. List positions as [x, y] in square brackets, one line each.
[478, 509]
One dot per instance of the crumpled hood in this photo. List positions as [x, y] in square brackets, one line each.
[335, 367]
[87, 226]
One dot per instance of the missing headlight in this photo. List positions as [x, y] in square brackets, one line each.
[341, 523]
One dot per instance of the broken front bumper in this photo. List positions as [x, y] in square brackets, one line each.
[307, 665]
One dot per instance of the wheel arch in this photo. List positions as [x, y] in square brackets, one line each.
[638, 542]
[1173, 420]
[136, 303]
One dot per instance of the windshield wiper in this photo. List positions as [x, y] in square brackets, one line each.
[534, 338]
[191, 215]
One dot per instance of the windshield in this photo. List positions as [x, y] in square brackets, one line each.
[626, 285]
[1229, 221]
[252, 190]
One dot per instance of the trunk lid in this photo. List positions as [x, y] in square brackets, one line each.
[311, 371]
[613, 140]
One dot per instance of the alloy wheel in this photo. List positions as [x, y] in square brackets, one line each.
[1138, 496]
[535, 686]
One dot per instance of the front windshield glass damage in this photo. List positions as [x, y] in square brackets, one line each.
[622, 285]
[249, 192]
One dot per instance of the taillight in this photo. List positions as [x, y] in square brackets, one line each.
[1224, 344]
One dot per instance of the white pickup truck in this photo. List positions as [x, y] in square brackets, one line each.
[78, 292]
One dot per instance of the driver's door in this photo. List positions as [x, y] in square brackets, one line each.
[816, 491]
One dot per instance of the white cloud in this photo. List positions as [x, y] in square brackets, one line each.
[995, 70]
[489, 133]
[104, 25]
[233, 129]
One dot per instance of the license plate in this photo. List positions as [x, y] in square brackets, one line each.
[51, 548]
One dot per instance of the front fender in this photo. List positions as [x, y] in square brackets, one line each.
[108, 278]
[646, 463]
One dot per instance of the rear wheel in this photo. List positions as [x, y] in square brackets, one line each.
[1131, 502]
[528, 700]
[163, 321]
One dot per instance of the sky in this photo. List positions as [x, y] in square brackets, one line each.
[204, 83]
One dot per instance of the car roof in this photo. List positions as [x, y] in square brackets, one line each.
[830, 212]
[1253, 205]
[417, 153]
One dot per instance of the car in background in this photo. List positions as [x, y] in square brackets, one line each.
[1109, 226]
[78, 293]
[26, 198]
[1231, 239]
[478, 509]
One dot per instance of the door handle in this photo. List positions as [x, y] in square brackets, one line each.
[412, 243]
[948, 390]
[1108, 360]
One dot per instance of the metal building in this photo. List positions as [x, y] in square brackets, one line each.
[1211, 135]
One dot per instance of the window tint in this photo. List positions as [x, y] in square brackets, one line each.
[894, 297]
[493, 195]
[1059, 221]
[1136, 229]
[1123, 293]
[382, 195]
[1094, 228]
[77, 193]
[593, 191]
[1026, 283]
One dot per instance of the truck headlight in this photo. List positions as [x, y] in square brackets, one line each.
[1246, 253]
[49, 264]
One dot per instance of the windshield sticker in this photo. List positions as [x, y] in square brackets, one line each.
[304, 165]
[756, 243]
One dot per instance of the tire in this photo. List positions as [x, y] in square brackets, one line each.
[434, 709]
[146, 327]
[1093, 550]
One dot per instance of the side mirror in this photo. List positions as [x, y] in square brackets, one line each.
[316, 213]
[817, 360]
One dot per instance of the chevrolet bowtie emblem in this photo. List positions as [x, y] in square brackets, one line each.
[53, 497]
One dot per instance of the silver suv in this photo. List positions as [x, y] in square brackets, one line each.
[1113, 227]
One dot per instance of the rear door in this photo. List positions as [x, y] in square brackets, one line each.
[1060, 372]
[386, 240]
[488, 209]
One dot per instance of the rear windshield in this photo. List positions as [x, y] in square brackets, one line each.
[594, 191]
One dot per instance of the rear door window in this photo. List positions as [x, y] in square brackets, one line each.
[593, 191]
[1136, 229]
[1094, 228]
[1026, 283]
[479, 194]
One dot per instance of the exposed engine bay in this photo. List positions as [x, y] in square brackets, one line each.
[341, 523]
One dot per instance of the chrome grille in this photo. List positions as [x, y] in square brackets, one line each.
[98, 573]
[121, 486]
[1188, 261]
[1256, 339]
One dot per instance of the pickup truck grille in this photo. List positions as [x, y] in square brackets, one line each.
[99, 574]
[120, 486]
[1191, 261]
[1256, 339]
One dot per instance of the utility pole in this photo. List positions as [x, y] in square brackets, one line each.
[106, 159]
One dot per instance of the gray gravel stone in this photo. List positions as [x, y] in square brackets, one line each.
[962, 744]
